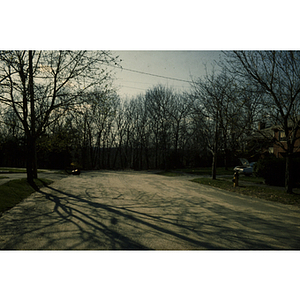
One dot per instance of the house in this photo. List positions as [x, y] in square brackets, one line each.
[279, 136]
[261, 141]
[271, 139]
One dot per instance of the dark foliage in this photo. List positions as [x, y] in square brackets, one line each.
[12, 153]
[272, 169]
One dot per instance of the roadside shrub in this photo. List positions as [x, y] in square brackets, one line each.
[272, 170]
[296, 172]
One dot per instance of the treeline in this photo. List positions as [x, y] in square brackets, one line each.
[160, 129]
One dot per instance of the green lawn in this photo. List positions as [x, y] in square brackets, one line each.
[251, 179]
[170, 173]
[14, 191]
[206, 171]
[196, 171]
[12, 170]
[259, 191]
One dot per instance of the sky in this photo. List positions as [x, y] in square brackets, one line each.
[161, 67]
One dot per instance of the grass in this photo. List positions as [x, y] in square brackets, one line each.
[12, 170]
[14, 191]
[206, 171]
[262, 192]
[16, 170]
[196, 171]
[252, 179]
[170, 173]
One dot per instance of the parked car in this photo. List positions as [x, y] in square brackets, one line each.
[246, 168]
[76, 172]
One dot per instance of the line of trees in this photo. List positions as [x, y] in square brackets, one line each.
[161, 129]
[58, 108]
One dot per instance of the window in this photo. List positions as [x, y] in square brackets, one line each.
[282, 137]
[271, 150]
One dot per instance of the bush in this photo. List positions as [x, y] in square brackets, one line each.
[296, 171]
[272, 170]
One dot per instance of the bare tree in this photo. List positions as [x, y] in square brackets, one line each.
[220, 105]
[277, 74]
[167, 111]
[38, 83]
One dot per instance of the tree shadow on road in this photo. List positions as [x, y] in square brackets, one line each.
[91, 226]
[245, 232]
[65, 209]
[67, 227]
[86, 222]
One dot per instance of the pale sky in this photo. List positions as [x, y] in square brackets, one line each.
[183, 65]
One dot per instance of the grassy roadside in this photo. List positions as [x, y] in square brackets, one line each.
[170, 173]
[196, 171]
[263, 192]
[248, 185]
[206, 171]
[12, 170]
[15, 170]
[14, 191]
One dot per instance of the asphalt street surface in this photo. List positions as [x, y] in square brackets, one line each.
[140, 210]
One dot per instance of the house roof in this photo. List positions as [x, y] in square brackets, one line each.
[263, 134]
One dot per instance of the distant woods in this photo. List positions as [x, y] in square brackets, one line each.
[160, 129]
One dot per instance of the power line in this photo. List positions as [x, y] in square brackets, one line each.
[150, 83]
[131, 87]
[150, 74]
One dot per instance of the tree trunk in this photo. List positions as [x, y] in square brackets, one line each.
[29, 165]
[214, 166]
[31, 160]
[225, 156]
[288, 177]
[31, 140]
[214, 163]
[34, 159]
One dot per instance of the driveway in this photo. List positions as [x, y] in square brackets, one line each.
[139, 210]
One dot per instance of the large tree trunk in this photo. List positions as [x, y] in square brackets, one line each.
[31, 164]
[34, 159]
[288, 177]
[215, 152]
[31, 140]
[214, 166]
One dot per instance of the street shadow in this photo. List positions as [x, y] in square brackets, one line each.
[86, 223]
[71, 211]
[116, 213]
[246, 232]
[91, 230]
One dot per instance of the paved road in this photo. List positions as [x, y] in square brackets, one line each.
[140, 210]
